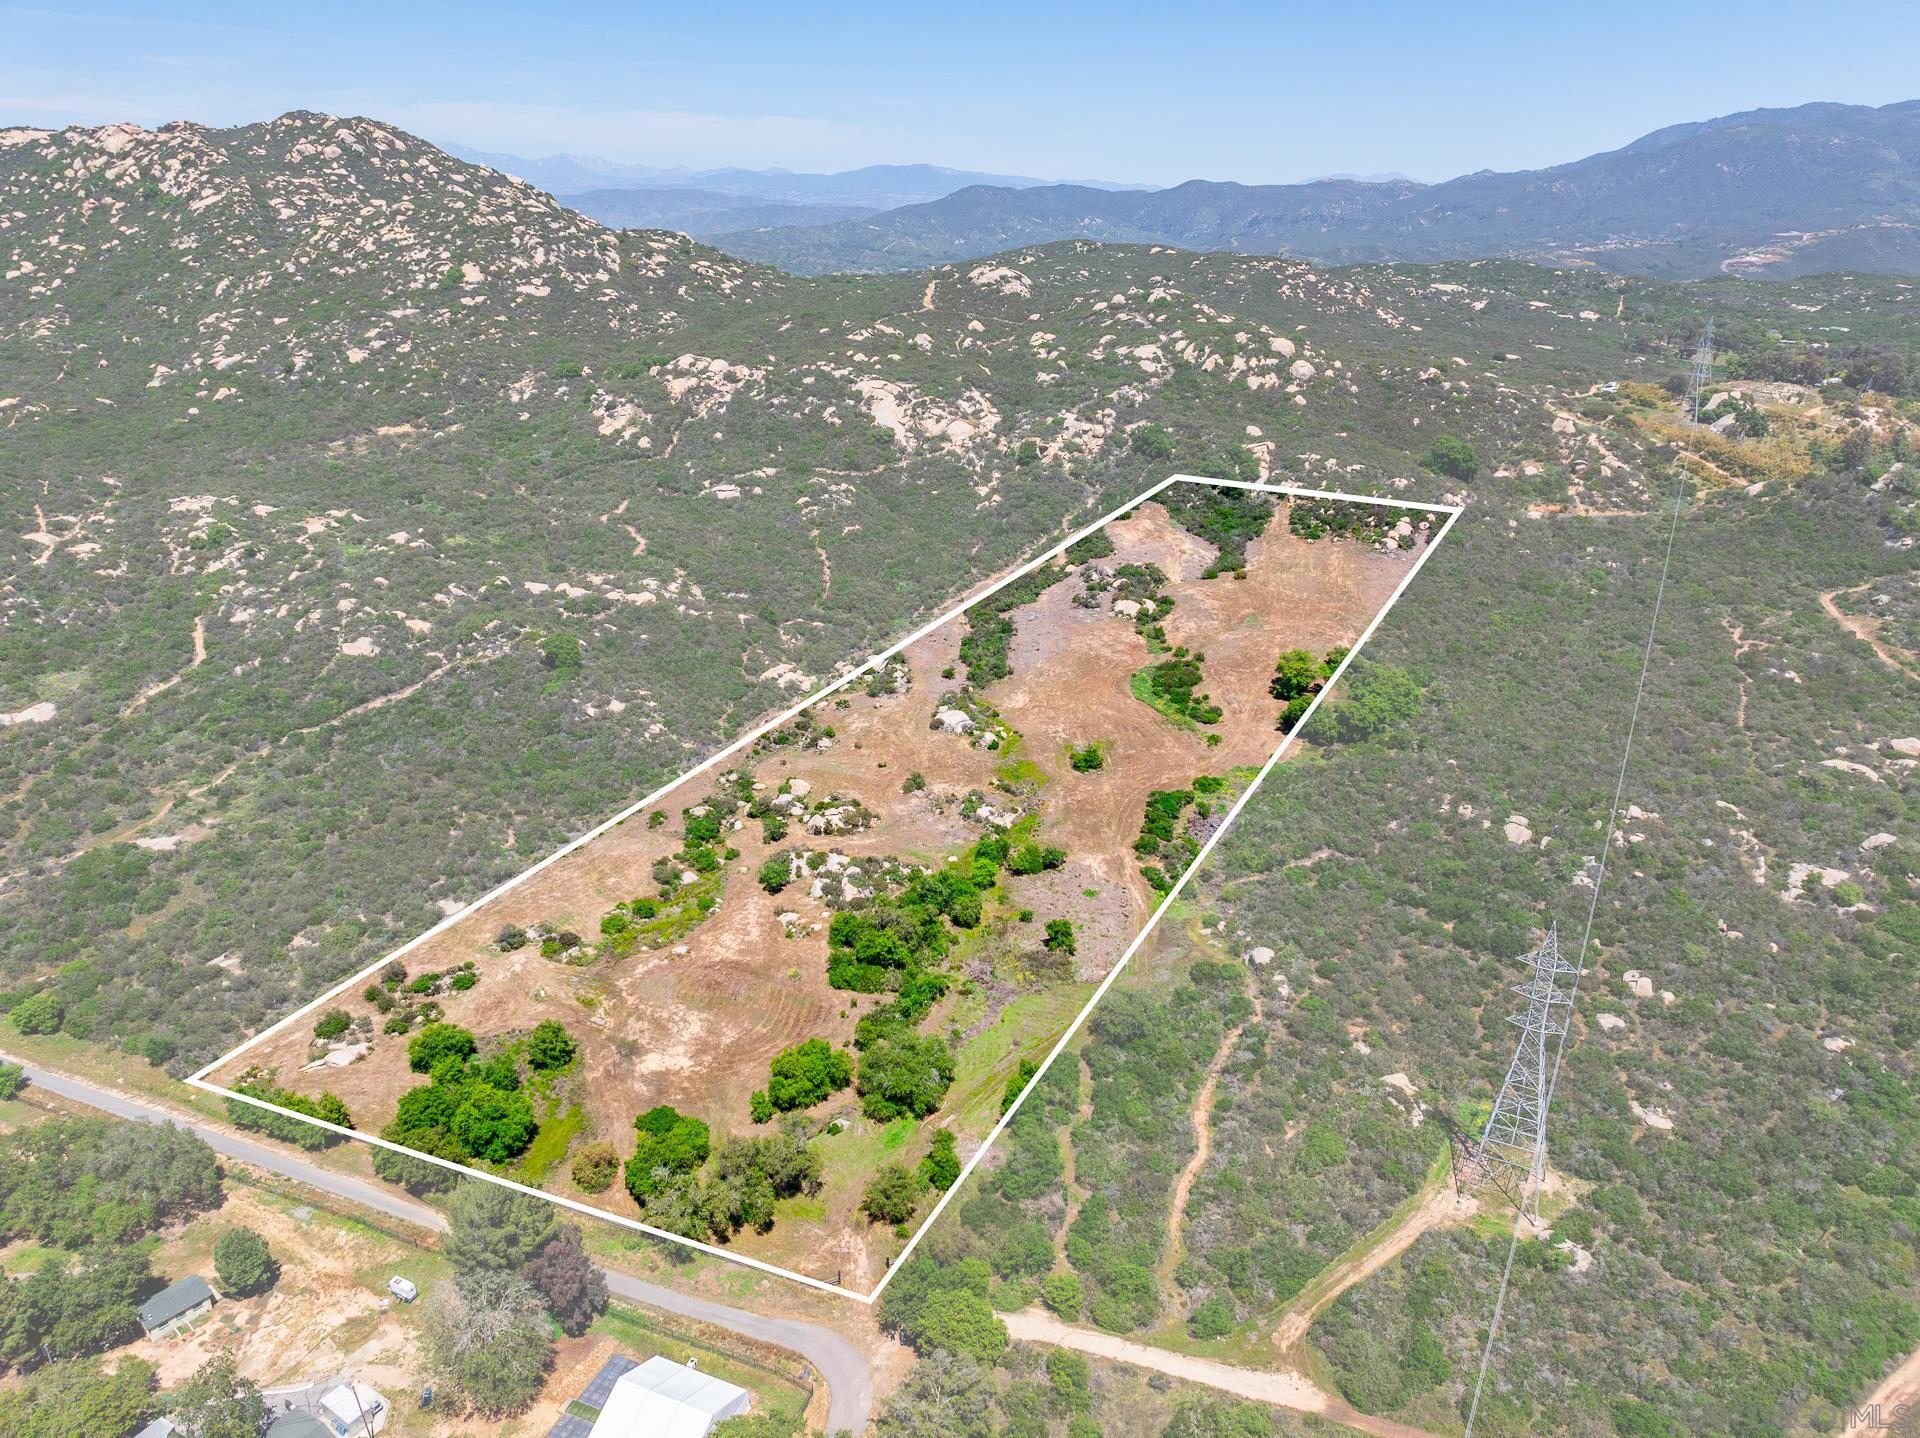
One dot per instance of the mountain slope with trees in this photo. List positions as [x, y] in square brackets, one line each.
[1771, 192]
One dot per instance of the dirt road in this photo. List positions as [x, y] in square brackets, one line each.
[1899, 1394]
[839, 1362]
[1437, 1208]
[1280, 1388]
[1201, 1118]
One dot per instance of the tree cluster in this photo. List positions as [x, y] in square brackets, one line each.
[670, 1178]
[471, 1107]
[801, 1076]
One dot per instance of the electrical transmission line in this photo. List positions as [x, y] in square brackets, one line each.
[1701, 373]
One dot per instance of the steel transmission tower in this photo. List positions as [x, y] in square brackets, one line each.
[1511, 1154]
[1702, 373]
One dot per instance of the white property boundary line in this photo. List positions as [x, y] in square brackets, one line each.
[198, 1079]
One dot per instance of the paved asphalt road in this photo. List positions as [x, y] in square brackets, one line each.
[838, 1361]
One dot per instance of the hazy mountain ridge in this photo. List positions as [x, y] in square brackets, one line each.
[869, 186]
[1774, 192]
[701, 213]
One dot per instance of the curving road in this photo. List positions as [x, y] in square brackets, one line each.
[838, 1361]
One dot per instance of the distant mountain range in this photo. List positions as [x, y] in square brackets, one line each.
[703, 213]
[594, 183]
[1772, 192]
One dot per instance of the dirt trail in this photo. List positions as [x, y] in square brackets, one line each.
[133, 706]
[1202, 1118]
[1070, 1168]
[381, 701]
[926, 300]
[130, 831]
[1867, 629]
[163, 685]
[1902, 1386]
[1282, 1389]
[1437, 1208]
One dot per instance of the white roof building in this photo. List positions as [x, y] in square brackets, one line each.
[355, 1408]
[662, 1399]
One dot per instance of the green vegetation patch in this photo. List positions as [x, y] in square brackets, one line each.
[1172, 687]
[983, 649]
[260, 1084]
[1228, 519]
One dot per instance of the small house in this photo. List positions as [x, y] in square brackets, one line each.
[176, 1305]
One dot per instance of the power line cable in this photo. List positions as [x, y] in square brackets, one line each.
[1702, 370]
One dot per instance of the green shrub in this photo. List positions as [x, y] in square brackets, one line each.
[1062, 1293]
[962, 1322]
[903, 1074]
[550, 1046]
[243, 1263]
[39, 1013]
[1321, 1147]
[892, 1194]
[668, 1143]
[1453, 457]
[595, 1166]
[436, 1042]
[1170, 686]
[1151, 441]
[1212, 1319]
[494, 1124]
[807, 1074]
[941, 1166]
[329, 1108]
[1017, 1083]
[1380, 698]
[560, 653]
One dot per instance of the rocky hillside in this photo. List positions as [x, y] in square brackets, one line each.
[1769, 192]
[317, 437]
[369, 524]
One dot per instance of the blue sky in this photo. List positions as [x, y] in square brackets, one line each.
[1255, 92]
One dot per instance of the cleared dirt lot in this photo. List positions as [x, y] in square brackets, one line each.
[327, 1314]
[695, 1021]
